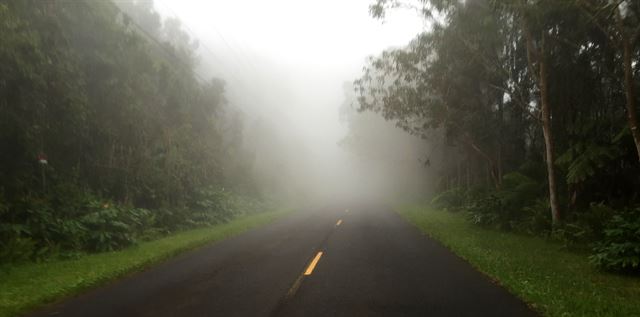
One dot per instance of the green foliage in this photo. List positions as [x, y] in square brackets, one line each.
[55, 226]
[535, 219]
[518, 189]
[26, 286]
[550, 278]
[213, 206]
[110, 227]
[584, 227]
[615, 234]
[474, 82]
[586, 157]
[16, 249]
[620, 248]
[210, 206]
[452, 199]
[489, 211]
[74, 221]
[515, 206]
[131, 135]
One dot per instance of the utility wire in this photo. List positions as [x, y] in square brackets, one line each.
[163, 46]
[238, 55]
[233, 52]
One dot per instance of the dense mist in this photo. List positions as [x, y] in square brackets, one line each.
[284, 70]
[319, 158]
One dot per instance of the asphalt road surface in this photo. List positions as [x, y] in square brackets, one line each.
[363, 261]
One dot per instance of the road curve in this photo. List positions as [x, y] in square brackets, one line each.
[324, 262]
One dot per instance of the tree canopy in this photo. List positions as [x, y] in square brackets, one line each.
[535, 87]
[102, 106]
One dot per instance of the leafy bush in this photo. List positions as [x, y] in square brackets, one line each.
[166, 220]
[620, 248]
[535, 218]
[507, 209]
[487, 211]
[218, 205]
[453, 199]
[110, 227]
[519, 190]
[213, 206]
[17, 249]
[24, 234]
[585, 227]
[70, 221]
[209, 206]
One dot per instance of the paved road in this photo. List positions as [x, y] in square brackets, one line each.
[372, 264]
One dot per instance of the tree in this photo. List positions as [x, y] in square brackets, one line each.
[111, 98]
[620, 21]
[509, 80]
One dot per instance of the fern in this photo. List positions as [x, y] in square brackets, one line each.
[584, 160]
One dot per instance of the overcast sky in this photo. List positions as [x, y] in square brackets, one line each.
[286, 61]
[291, 55]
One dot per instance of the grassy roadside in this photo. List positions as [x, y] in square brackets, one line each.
[27, 286]
[554, 281]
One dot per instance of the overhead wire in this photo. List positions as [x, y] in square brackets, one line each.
[234, 53]
[172, 55]
[239, 55]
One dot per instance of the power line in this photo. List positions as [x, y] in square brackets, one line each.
[231, 72]
[169, 53]
[193, 35]
[239, 55]
[161, 45]
[233, 52]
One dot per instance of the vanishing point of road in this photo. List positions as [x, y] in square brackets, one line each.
[331, 261]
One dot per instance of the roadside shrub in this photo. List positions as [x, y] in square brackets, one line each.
[585, 227]
[619, 249]
[212, 206]
[17, 249]
[111, 227]
[13, 247]
[519, 190]
[488, 212]
[505, 209]
[453, 199]
[477, 192]
[166, 220]
[70, 221]
[535, 218]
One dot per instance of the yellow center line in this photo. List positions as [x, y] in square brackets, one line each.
[339, 222]
[313, 263]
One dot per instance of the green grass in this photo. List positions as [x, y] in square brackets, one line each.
[552, 280]
[28, 286]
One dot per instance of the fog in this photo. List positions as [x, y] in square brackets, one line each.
[285, 64]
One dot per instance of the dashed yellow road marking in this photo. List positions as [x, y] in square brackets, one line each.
[339, 222]
[313, 264]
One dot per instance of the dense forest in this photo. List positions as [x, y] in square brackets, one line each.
[536, 103]
[110, 134]
[107, 132]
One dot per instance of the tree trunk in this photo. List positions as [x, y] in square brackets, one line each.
[468, 172]
[491, 164]
[548, 139]
[459, 174]
[538, 56]
[626, 42]
[630, 92]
